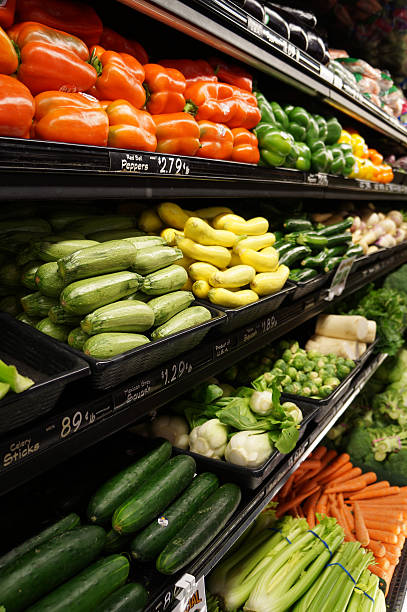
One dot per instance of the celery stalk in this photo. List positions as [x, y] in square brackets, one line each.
[17, 382]
[379, 602]
[4, 388]
[368, 583]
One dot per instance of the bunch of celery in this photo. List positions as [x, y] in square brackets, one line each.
[11, 379]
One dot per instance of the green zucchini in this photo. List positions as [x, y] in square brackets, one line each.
[155, 258]
[200, 530]
[99, 223]
[48, 280]
[145, 242]
[166, 306]
[11, 305]
[59, 316]
[116, 543]
[122, 316]
[154, 495]
[303, 275]
[77, 338]
[47, 565]
[28, 274]
[332, 263]
[61, 236]
[332, 241]
[68, 522]
[24, 318]
[355, 250]
[335, 251]
[118, 488]
[26, 225]
[86, 591]
[195, 315]
[14, 243]
[118, 234]
[48, 327]
[315, 261]
[37, 305]
[283, 247]
[294, 254]
[10, 275]
[106, 345]
[52, 251]
[313, 240]
[337, 228]
[111, 256]
[131, 597]
[148, 544]
[139, 296]
[61, 219]
[84, 296]
[166, 280]
[297, 225]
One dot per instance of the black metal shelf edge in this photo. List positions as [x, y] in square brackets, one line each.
[397, 596]
[231, 30]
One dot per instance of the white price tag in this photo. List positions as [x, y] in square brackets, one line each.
[341, 276]
[190, 594]
[327, 74]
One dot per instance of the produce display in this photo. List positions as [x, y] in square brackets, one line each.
[368, 162]
[11, 380]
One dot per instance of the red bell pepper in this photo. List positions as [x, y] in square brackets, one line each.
[245, 147]
[193, 70]
[73, 17]
[130, 128]
[70, 118]
[231, 73]
[16, 108]
[222, 103]
[116, 42]
[216, 140]
[7, 10]
[30, 31]
[177, 133]
[122, 77]
[45, 67]
[8, 55]
[165, 89]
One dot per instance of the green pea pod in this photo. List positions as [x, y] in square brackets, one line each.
[334, 131]
[267, 115]
[280, 116]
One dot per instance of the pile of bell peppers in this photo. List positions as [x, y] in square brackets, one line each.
[293, 138]
[368, 162]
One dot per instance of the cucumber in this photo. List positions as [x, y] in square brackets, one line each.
[154, 495]
[145, 242]
[32, 225]
[37, 305]
[166, 280]
[122, 316]
[24, 318]
[77, 338]
[166, 306]
[86, 591]
[118, 234]
[28, 274]
[59, 332]
[195, 315]
[131, 597]
[61, 219]
[47, 565]
[340, 249]
[59, 316]
[111, 256]
[148, 544]
[200, 530]
[11, 305]
[106, 345]
[139, 296]
[116, 543]
[65, 524]
[99, 223]
[155, 258]
[48, 281]
[10, 275]
[52, 251]
[118, 488]
[84, 296]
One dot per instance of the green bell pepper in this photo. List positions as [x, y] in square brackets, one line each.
[312, 131]
[320, 160]
[337, 166]
[298, 131]
[322, 125]
[304, 157]
[267, 115]
[270, 158]
[299, 115]
[334, 131]
[281, 118]
[274, 144]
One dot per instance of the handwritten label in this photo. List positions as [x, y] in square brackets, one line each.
[222, 348]
[175, 371]
[341, 276]
[268, 323]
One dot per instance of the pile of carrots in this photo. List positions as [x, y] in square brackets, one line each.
[374, 513]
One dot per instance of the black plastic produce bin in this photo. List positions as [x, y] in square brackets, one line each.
[304, 288]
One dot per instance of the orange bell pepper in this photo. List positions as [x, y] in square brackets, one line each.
[193, 70]
[70, 118]
[130, 128]
[216, 140]
[122, 77]
[116, 42]
[177, 133]
[222, 103]
[30, 31]
[7, 10]
[16, 108]
[8, 55]
[231, 73]
[165, 89]
[245, 147]
[375, 157]
[73, 17]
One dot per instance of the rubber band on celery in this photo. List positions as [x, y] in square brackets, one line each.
[351, 577]
[279, 531]
[323, 542]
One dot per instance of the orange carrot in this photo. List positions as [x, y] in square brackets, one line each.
[287, 487]
[377, 548]
[352, 485]
[341, 507]
[349, 517]
[383, 563]
[310, 464]
[354, 473]
[322, 504]
[377, 493]
[282, 509]
[389, 576]
[361, 531]
[336, 512]
[382, 536]
[393, 559]
[394, 515]
[334, 466]
[378, 571]
[310, 515]
[341, 471]
[392, 548]
[319, 452]
[382, 524]
[400, 540]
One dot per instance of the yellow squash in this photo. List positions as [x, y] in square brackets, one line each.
[170, 235]
[266, 283]
[187, 286]
[236, 276]
[217, 255]
[252, 227]
[149, 221]
[219, 221]
[235, 260]
[262, 261]
[255, 242]
[172, 215]
[232, 299]
[200, 289]
[200, 231]
[201, 271]
[211, 212]
[185, 262]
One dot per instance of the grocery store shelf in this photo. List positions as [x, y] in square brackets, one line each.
[224, 26]
[32, 169]
[76, 425]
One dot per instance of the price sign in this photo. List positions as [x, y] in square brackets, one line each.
[341, 276]
[326, 74]
[190, 594]
[173, 165]
[254, 26]
[146, 163]
[268, 323]
[69, 425]
[175, 371]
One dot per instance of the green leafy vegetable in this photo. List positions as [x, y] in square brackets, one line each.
[10, 376]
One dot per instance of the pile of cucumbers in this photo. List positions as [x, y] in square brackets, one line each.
[155, 510]
[97, 283]
[309, 249]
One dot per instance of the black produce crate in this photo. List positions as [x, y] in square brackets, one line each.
[390, 251]
[365, 260]
[250, 478]
[306, 287]
[50, 364]
[238, 317]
